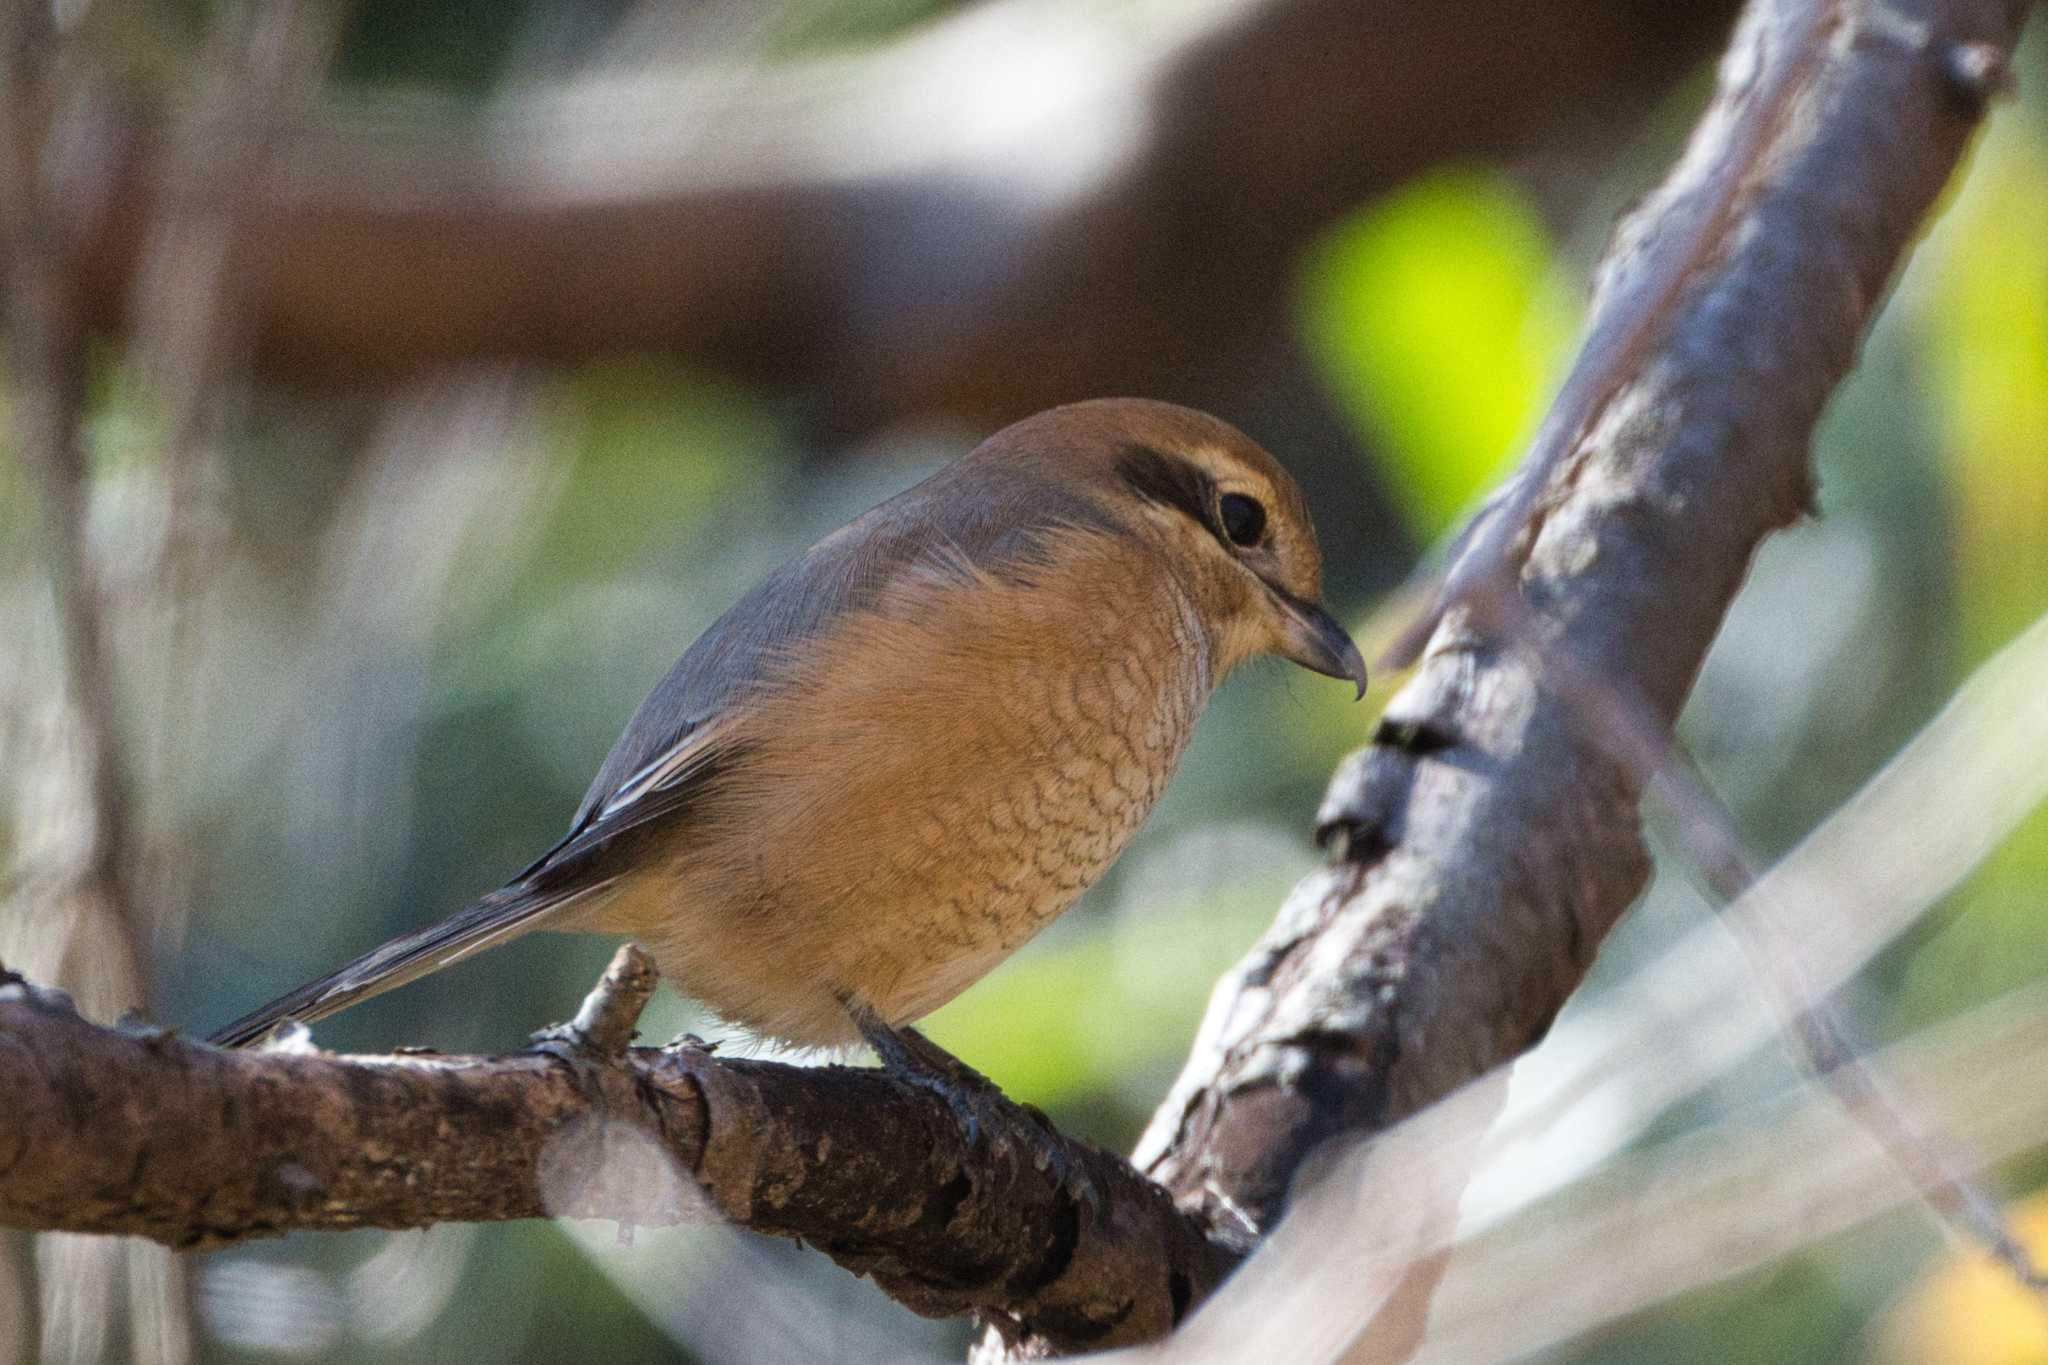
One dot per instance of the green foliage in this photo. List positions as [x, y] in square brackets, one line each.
[660, 458]
[850, 23]
[460, 46]
[1115, 998]
[1982, 308]
[1440, 318]
[1984, 311]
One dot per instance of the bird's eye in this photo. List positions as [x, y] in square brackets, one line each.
[1244, 521]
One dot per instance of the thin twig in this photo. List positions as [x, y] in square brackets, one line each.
[603, 1027]
[48, 346]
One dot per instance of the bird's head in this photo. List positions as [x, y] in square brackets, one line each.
[1230, 521]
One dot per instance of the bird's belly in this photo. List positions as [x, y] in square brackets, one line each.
[994, 864]
[1037, 804]
[916, 869]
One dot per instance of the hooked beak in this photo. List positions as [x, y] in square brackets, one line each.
[1314, 640]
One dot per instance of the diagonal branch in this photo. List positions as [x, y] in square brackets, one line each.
[1486, 842]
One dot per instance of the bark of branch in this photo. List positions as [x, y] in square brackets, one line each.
[1488, 840]
[139, 1131]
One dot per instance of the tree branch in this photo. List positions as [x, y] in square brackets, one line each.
[1122, 217]
[139, 1131]
[1488, 840]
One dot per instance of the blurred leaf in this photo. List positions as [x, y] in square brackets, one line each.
[658, 455]
[1983, 309]
[849, 23]
[1439, 317]
[458, 46]
[1986, 319]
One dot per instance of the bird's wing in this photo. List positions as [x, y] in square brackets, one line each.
[501, 915]
[691, 728]
[594, 855]
[996, 526]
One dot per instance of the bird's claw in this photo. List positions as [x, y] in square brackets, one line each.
[567, 1042]
[985, 1114]
[1052, 1154]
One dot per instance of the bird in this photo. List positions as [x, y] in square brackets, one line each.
[902, 754]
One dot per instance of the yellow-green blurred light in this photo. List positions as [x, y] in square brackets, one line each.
[1438, 317]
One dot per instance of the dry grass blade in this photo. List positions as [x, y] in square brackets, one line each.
[1851, 887]
[1774, 1181]
[1360, 1229]
[1825, 1041]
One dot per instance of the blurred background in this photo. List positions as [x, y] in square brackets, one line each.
[420, 376]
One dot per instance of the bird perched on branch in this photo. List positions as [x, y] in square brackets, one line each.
[904, 753]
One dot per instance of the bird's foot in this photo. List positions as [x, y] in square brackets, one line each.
[982, 1110]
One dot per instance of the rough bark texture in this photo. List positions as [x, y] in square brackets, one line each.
[1488, 840]
[140, 1131]
[1481, 850]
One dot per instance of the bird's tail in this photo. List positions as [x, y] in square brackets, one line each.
[502, 915]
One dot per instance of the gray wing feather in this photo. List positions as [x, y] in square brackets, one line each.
[997, 528]
[497, 917]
